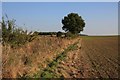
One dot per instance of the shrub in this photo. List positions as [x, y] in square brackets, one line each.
[13, 35]
[70, 35]
[59, 34]
[47, 74]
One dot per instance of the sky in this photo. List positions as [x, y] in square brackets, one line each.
[60, 0]
[0, 16]
[101, 18]
[0, 10]
[119, 18]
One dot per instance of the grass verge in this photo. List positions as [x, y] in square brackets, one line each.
[49, 71]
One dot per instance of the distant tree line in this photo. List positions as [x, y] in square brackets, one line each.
[47, 33]
[58, 34]
[73, 24]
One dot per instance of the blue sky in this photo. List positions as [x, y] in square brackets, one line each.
[60, 0]
[0, 10]
[101, 18]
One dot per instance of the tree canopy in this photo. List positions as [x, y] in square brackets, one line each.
[73, 23]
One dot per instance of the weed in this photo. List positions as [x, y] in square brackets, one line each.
[49, 71]
[47, 74]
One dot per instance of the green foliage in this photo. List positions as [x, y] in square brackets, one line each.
[47, 33]
[13, 35]
[70, 35]
[59, 34]
[73, 23]
[49, 71]
[47, 74]
[72, 47]
[54, 63]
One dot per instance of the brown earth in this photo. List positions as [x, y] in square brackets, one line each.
[102, 53]
[94, 57]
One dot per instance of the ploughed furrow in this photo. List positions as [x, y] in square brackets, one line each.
[107, 46]
[102, 60]
[97, 72]
[105, 61]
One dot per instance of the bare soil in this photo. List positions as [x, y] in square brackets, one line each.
[95, 57]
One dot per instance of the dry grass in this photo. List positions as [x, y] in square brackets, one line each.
[31, 57]
[0, 60]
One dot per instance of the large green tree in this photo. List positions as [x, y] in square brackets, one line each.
[73, 23]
